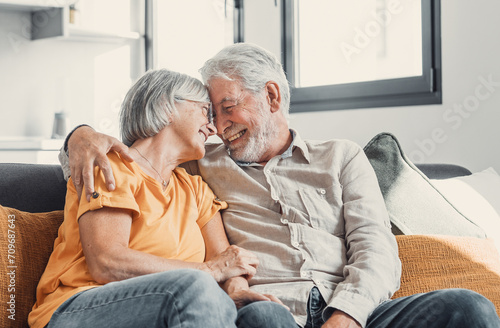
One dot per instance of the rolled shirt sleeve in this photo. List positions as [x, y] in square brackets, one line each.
[373, 269]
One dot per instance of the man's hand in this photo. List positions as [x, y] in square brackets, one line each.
[341, 319]
[233, 262]
[243, 297]
[87, 149]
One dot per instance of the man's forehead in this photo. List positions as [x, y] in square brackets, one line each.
[221, 93]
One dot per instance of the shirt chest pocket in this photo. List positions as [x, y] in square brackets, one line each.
[323, 211]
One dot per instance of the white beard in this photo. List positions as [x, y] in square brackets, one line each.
[258, 143]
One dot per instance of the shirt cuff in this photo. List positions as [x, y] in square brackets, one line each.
[64, 155]
[357, 306]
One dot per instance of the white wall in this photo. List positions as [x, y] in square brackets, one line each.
[432, 133]
[34, 73]
[39, 78]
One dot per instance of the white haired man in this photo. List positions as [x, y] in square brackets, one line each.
[312, 212]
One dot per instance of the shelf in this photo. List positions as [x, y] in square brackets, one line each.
[30, 143]
[59, 27]
[33, 5]
[88, 34]
[50, 19]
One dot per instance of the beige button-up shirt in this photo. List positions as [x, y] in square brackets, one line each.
[314, 216]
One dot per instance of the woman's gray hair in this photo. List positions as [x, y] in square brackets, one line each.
[250, 64]
[150, 104]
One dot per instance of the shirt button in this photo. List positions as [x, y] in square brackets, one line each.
[322, 191]
[295, 244]
[284, 221]
[268, 171]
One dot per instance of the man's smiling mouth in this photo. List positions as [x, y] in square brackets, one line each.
[236, 136]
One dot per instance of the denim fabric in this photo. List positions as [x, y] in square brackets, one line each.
[315, 308]
[447, 308]
[264, 314]
[178, 298]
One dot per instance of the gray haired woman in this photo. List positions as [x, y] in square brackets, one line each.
[151, 252]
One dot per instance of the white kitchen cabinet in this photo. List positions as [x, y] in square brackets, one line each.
[50, 19]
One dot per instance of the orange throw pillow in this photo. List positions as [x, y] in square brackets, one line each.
[26, 242]
[432, 262]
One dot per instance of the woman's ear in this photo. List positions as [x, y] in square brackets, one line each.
[273, 95]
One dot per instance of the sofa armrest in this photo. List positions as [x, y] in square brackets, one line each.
[32, 187]
[443, 171]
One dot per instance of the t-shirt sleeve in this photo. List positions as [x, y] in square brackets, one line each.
[208, 203]
[123, 197]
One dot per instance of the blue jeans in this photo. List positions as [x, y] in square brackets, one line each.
[453, 308]
[179, 298]
[264, 314]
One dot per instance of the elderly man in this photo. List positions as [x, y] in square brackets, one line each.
[311, 211]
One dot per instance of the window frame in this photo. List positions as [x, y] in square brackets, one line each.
[419, 90]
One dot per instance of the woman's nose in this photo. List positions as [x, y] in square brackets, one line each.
[211, 129]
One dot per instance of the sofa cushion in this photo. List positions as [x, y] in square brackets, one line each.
[434, 262]
[475, 196]
[486, 183]
[414, 205]
[26, 244]
[32, 187]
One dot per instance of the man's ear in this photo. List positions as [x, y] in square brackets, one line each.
[273, 96]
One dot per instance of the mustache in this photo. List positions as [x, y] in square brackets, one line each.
[231, 131]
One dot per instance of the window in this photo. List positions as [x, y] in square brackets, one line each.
[182, 35]
[355, 54]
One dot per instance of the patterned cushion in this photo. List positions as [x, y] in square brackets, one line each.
[438, 262]
[26, 244]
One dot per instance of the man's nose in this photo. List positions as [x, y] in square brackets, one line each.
[222, 123]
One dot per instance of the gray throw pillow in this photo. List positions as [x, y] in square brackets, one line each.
[415, 207]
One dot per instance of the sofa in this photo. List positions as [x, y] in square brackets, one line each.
[439, 245]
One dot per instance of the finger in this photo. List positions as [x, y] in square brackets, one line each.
[251, 260]
[250, 272]
[88, 179]
[243, 253]
[123, 150]
[76, 176]
[246, 297]
[79, 191]
[255, 297]
[276, 300]
[247, 253]
[105, 166]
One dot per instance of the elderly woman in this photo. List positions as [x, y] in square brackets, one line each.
[149, 254]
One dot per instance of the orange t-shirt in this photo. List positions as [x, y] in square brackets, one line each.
[164, 223]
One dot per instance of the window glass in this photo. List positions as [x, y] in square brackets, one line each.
[338, 41]
[189, 32]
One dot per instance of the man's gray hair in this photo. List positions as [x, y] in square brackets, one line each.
[251, 65]
[149, 105]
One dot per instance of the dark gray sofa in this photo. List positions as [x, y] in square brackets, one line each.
[42, 188]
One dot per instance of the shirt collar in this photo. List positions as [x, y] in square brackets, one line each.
[296, 142]
[299, 143]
